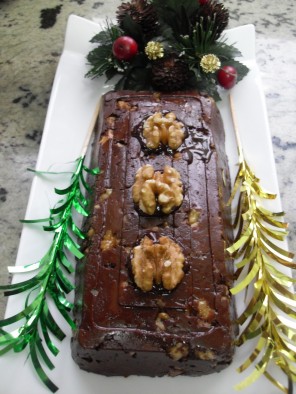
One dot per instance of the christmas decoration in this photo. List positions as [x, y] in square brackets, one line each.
[169, 74]
[154, 50]
[124, 48]
[227, 77]
[142, 13]
[187, 30]
[271, 310]
[210, 63]
[213, 18]
[52, 282]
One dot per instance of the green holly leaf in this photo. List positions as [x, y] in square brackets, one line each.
[133, 29]
[241, 69]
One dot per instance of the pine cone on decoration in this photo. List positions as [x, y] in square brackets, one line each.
[142, 13]
[169, 73]
[212, 16]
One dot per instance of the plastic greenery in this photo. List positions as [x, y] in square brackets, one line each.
[187, 31]
[51, 285]
[270, 314]
[35, 321]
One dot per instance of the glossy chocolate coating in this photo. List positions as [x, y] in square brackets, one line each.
[121, 329]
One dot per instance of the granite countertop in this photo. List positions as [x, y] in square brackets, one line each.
[32, 37]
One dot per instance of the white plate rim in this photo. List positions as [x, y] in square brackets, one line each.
[248, 97]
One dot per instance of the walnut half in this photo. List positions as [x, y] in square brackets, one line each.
[160, 263]
[163, 129]
[154, 188]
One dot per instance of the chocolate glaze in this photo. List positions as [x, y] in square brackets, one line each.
[120, 331]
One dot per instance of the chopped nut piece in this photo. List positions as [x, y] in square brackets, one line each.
[152, 189]
[124, 284]
[109, 241]
[107, 193]
[110, 121]
[178, 156]
[160, 303]
[90, 233]
[157, 96]
[126, 106]
[163, 316]
[205, 355]
[204, 310]
[94, 292]
[159, 322]
[179, 351]
[150, 264]
[106, 137]
[193, 217]
[165, 129]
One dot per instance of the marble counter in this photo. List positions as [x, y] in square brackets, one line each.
[31, 42]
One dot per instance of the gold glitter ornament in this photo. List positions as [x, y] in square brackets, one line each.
[210, 63]
[154, 50]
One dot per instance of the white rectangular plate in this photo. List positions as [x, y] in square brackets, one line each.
[71, 106]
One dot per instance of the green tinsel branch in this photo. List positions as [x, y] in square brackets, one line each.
[36, 323]
[35, 320]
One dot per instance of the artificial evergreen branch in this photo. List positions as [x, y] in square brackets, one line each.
[270, 314]
[35, 321]
[186, 30]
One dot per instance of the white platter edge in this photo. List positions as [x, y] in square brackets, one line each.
[250, 103]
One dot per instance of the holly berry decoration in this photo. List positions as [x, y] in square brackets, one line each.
[227, 76]
[125, 48]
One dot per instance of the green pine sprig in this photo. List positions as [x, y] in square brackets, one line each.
[101, 58]
[35, 322]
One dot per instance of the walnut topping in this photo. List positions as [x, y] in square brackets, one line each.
[179, 351]
[126, 106]
[107, 193]
[110, 121]
[153, 188]
[193, 217]
[106, 137]
[90, 233]
[204, 310]
[157, 96]
[163, 129]
[205, 355]
[161, 263]
[178, 156]
[159, 321]
[109, 241]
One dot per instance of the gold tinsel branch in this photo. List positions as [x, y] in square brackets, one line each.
[270, 312]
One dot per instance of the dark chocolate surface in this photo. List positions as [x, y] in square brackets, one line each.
[189, 330]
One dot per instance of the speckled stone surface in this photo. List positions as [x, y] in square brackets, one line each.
[31, 42]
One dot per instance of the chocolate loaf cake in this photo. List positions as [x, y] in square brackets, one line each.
[153, 290]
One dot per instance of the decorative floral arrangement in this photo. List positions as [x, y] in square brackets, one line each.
[167, 46]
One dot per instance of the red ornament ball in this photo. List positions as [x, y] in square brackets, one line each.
[125, 48]
[203, 2]
[227, 76]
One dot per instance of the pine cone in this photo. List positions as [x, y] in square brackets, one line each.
[169, 74]
[212, 16]
[142, 13]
